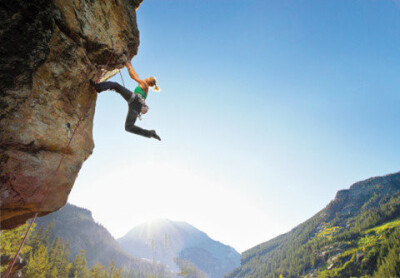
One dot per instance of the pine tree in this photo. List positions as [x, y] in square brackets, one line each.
[54, 249]
[98, 271]
[113, 272]
[40, 237]
[79, 266]
[57, 258]
[38, 263]
[10, 241]
[54, 257]
[53, 273]
[64, 264]
[389, 263]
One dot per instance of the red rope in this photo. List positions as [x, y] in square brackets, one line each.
[123, 83]
[86, 109]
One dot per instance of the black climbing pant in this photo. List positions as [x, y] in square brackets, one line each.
[135, 106]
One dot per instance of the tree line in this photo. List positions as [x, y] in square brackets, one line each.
[40, 259]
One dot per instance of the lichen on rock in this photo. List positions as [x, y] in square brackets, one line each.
[50, 51]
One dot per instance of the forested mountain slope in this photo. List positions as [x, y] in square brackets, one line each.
[357, 234]
[77, 226]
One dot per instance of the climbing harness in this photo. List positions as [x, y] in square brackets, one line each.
[86, 109]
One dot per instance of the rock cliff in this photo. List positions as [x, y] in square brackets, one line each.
[49, 51]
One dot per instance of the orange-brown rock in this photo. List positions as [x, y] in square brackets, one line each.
[49, 51]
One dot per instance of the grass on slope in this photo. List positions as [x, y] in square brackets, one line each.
[363, 252]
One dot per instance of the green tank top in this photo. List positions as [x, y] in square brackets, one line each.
[140, 91]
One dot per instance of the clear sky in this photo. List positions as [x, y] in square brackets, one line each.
[267, 109]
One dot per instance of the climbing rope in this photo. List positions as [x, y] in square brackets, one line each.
[122, 79]
[86, 109]
[142, 101]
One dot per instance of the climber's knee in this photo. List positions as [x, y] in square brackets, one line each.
[107, 85]
[132, 129]
[114, 86]
[137, 130]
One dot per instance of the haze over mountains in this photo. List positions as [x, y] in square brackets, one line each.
[77, 226]
[164, 240]
[356, 234]
[172, 245]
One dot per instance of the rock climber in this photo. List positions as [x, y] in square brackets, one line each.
[136, 100]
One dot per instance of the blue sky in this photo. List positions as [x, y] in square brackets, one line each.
[268, 109]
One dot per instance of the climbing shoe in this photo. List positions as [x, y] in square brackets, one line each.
[94, 84]
[154, 135]
[97, 86]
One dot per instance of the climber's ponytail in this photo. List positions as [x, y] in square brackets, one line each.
[153, 83]
[156, 89]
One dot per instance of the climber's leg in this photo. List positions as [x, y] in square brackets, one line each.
[134, 108]
[108, 85]
[131, 127]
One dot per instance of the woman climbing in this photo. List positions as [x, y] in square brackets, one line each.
[136, 100]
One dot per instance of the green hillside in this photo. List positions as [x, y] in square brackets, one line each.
[357, 234]
[76, 225]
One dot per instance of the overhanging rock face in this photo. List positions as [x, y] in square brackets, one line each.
[48, 53]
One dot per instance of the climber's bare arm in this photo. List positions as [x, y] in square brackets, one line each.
[133, 74]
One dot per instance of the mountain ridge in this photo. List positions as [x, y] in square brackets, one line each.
[76, 225]
[179, 240]
[311, 247]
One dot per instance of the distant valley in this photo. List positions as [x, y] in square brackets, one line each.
[355, 235]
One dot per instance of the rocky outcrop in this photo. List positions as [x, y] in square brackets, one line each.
[49, 51]
[362, 195]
